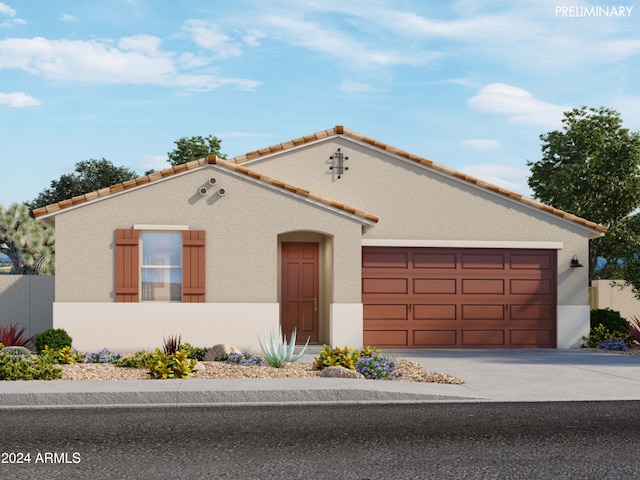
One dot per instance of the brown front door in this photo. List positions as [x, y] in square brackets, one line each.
[300, 291]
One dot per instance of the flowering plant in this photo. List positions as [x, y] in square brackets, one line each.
[377, 367]
[103, 356]
[612, 344]
[245, 359]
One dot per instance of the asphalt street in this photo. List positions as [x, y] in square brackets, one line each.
[553, 440]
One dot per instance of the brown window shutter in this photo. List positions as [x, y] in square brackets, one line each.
[127, 265]
[193, 262]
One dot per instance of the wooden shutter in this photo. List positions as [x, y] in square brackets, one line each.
[193, 263]
[127, 265]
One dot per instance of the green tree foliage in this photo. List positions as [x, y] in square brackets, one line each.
[29, 245]
[89, 175]
[194, 148]
[591, 169]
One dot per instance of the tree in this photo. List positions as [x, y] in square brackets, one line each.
[90, 175]
[592, 169]
[29, 245]
[194, 148]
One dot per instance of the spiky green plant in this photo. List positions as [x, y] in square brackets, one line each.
[276, 351]
[15, 350]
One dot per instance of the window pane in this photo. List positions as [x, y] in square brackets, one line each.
[161, 248]
[162, 284]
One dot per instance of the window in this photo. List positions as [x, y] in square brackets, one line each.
[161, 269]
[159, 265]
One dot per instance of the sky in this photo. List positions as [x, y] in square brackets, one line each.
[469, 84]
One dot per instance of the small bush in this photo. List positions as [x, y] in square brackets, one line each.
[15, 350]
[378, 367]
[66, 355]
[613, 345]
[634, 329]
[171, 344]
[175, 365]
[55, 338]
[14, 367]
[245, 359]
[342, 357]
[611, 319]
[195, 352]
[140, 359]
[103, 356]
[10, 336]
[600, 333]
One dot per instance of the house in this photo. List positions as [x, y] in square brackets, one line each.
[349, 240]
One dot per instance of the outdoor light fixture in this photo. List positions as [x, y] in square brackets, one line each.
[338, 163]
[575, 263]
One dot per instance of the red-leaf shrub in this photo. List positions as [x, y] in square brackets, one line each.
[634, 328]
[11, 337]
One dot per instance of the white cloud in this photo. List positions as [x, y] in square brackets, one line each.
[480, 144]
[206, 35]
[65, 17]
[18, 99]
[135, 60]
[7, 10]
[252, 37]
[510, 178]
[153, 162]
[519, 105]
[349, 86]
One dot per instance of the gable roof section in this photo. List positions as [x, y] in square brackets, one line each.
[210, 160]
[234, 164]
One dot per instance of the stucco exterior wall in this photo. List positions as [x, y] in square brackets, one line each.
[26, 301]
[242, 231]
[616, 297]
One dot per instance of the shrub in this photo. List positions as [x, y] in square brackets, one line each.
[343, 357]
[600, 333]
[15, 350]
[66, 355]
[611, 319]
[245, 359]
[14, 367]
[634, 328]
[378, 367]
[613, 345]
[55, 338]
[140, 359]
[171, 344]
[195, 352]
[277, 352]
[103, 356]
[10, 336]
[174, 365]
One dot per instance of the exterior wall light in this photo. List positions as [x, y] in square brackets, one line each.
[575, 263]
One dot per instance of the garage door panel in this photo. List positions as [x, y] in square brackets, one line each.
[483, 312]
[434, 338]
[446, 286]
[483, 261]
[372, 259]
[485, 286]
[434, 312]
[386, 312]
[446, 297]
[385, 285]
[435, 260]
[483, 338]
[531, 287]
[386, 338]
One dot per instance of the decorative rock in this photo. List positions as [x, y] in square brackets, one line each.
[340, 372]
[219, 350]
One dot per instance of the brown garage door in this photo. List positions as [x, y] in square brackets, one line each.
[442, 297]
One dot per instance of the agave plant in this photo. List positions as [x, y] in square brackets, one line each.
[277, 352]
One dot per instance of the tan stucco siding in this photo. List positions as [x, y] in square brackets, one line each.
[415, 203]
[241, 227]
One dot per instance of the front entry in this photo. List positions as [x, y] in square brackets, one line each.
[300, 291]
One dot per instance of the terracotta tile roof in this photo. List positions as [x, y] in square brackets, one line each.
[234, 164]
[210, 160]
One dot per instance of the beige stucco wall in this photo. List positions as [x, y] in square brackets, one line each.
[242, 228]
[414, 203]
[615, 295]
[26, 301]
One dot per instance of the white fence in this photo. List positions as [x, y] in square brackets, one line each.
[27, 301]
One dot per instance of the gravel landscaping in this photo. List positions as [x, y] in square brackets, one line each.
[413, 372]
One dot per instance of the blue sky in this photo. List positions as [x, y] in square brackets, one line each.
[470, 84]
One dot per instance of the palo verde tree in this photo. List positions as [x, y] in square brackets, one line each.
[194, 148]
[29, 245]
[591, 168]
[89, 175]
